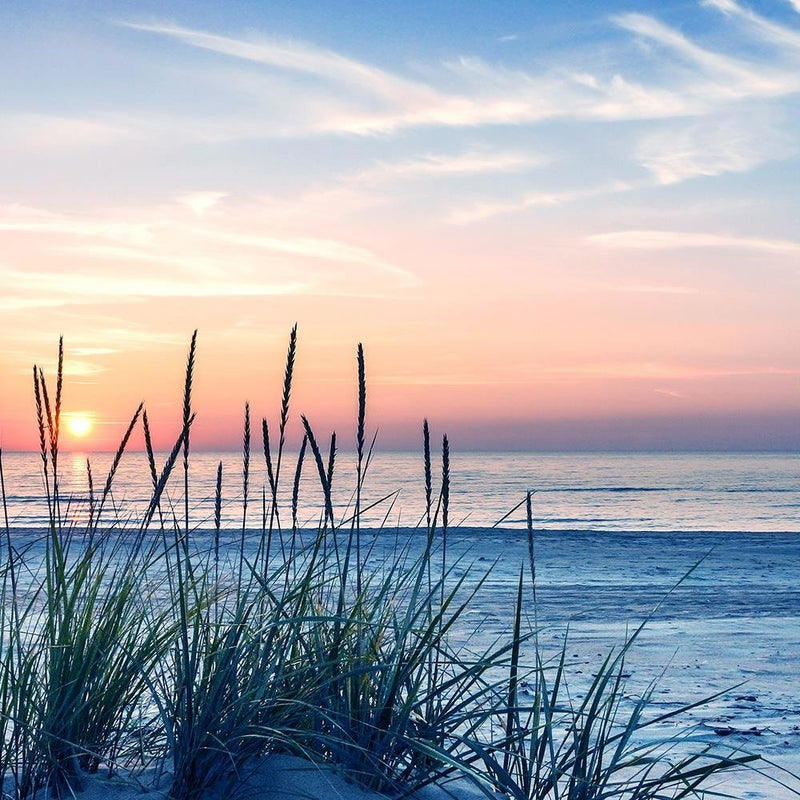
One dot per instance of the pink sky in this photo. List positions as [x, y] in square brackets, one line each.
[545, 236]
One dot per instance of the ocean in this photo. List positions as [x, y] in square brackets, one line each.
[631, 492]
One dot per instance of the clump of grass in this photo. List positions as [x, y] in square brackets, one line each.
[553, 747]
[375, 689]
[147, 643]
[78, 640]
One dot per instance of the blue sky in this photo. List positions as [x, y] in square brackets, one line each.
[529, 212]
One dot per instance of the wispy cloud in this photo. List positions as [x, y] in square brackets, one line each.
[45, 132]
[287, 87]
[16, 302]
[649, 288]
[674, 393]
[678, 240]
[712, 147]
[473, 162]
[84, 358]
[158, 225]
[664, 370]
[771, 31]
[368, 100]
[482, 210]
[290, 87]
[26, 219]
[515, 96]
[311, 247]
[200, 202]
[305, 58]
[91, 256]
[725, 77]
[103, 288]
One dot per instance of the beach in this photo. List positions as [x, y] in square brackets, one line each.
[729, 630]
[719, 609]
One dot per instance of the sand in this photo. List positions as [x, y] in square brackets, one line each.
[276, 777]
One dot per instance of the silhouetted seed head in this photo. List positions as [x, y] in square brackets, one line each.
[323, 478]
[148, 445]
[118, 455]
[48, 413]
[166, 472]
[268, 457]
[331, 459]
[426, 451]
[287, 379]
[89, 478]
[37, 393]
[59, 386]
[218, 505]
[297, 474]
[246, 452]
[362, 402]
[187, 396]
[445, 480]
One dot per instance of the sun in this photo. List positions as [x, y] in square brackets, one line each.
[79, 423]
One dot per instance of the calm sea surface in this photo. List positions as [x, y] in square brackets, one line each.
[680, 492]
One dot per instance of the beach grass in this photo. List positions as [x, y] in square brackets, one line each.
[133, 645]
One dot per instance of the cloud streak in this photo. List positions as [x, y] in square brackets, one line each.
[443, 165]
[46, 132]
[679, 240]
[661, 370]
[483, 210]
[771, 31]
[368, 100]
[304, 58]
[164, 252]
[726, 78]
[710, 148]
[104, 288]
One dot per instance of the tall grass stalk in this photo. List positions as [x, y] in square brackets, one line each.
[426, 457]
[362, 412]
[274, 472]
[187, 414]
[245, 485]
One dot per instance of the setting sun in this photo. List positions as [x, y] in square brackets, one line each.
[79, 424]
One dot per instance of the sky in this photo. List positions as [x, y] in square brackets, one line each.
[551, 225]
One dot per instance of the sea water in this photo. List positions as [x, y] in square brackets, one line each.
[641, 492]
